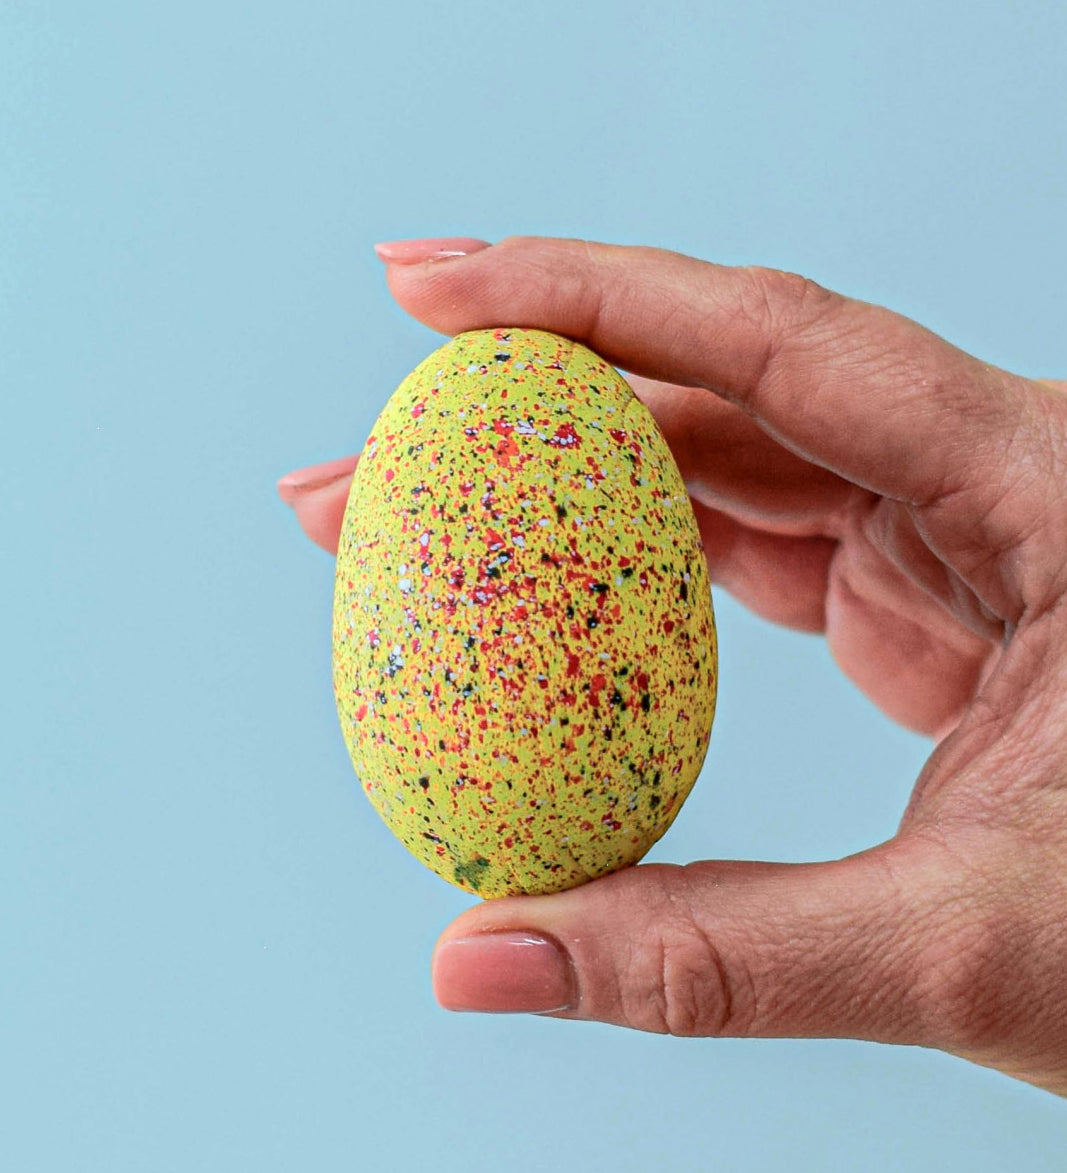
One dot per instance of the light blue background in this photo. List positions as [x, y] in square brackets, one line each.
[212, 954]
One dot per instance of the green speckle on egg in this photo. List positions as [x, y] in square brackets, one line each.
[524, 651]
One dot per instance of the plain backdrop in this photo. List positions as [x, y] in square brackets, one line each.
[213, 956]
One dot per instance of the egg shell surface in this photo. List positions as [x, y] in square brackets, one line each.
[524, 650]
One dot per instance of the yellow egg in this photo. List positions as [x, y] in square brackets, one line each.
[524, 650]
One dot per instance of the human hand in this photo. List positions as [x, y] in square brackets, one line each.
[854, 474]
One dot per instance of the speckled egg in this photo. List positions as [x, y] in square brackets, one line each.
[524, 650]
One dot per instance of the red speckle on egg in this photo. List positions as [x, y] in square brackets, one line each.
[565, 436]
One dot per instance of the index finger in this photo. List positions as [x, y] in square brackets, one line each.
[860, 390]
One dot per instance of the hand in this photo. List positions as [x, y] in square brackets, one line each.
[854, 474]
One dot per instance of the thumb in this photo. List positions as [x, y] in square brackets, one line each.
[726, 948]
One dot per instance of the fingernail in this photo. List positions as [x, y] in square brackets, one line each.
[414, 252]
[315, 476]
[503, 973]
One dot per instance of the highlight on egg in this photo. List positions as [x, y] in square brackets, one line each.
[524, 649]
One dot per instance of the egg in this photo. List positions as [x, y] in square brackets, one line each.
[524, 649]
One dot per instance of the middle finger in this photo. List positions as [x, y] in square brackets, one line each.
[730, 464]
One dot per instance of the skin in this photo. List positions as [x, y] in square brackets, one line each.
[852, 474]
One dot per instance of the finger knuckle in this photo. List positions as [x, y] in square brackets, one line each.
[784, 300]
[695, 989]
[678, 981]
